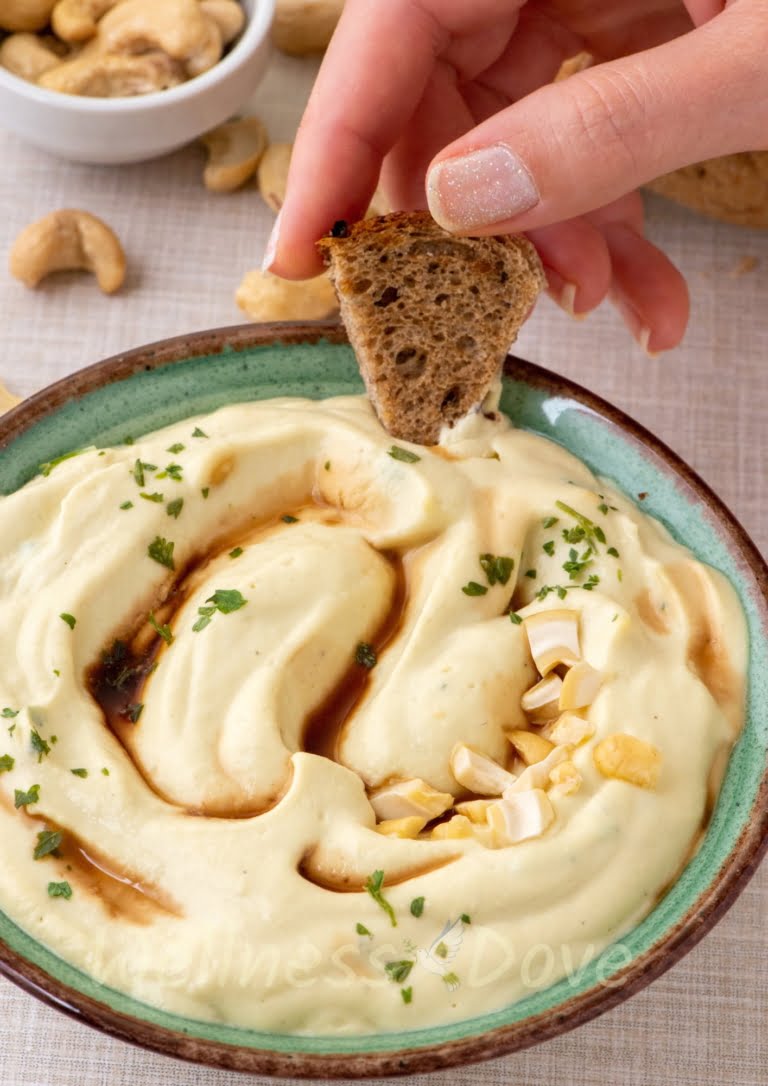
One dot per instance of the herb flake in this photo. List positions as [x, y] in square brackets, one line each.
[404, 455]
[70, 620]
[174, 508]
[365, 655]
[374, 885]
[472, 588]
[497, 568]
[161, 551]
[417, 906]
[163, 630]
[47, 842]
[79, 773]
[7, 763]
[39, 745]
[24, 799]
[398, 971]
[361, 929]
[60, 889]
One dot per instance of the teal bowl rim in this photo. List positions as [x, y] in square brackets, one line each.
[709, 906]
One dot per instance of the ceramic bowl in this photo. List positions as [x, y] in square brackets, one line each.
[113, 130]
[157, 385]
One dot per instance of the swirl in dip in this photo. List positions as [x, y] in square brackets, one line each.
[304, 795]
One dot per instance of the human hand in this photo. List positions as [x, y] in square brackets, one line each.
[461, 94]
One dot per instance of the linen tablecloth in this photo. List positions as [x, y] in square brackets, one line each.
[703, 1022]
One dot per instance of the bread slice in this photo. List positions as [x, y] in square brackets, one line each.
[733, 188]
[430, 315]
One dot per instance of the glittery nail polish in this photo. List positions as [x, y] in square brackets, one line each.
[481, 188]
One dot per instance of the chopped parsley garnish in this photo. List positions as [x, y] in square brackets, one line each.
[205, 491]
[127, 505]
[549, 547]
[361, 929]
[417, 906]
[549, 522]
[514, 618]
[47, 842]
[153, 497]
[69, 619]
[451, 979]
[407, 457]
[163, 631]
[574, 535]
[531, 573]
[49, 465]
[590, 582]
[60, 889]
[138, 471]
[39, 745]
[104, 771]
[197, 432]
[373, 885]
[161, 550]
[603, 508]
[176, 448]
[7, 763]
[546, 589]
[171, 471]
[327, 465]
[466, 918]
[236, 552]
[577, 564]
[497, 568]
[365, 655]
[441, 950]
[288, 519]
[591, 530]
[23, 799]
[619, 575]
[225, 600]
[128, 440]
[407, 994]
[12, 729]
[174, 508]
[613, 552]
[79, 773]
[133, 711]
[8, 713]
[398, 971]
[472, 588]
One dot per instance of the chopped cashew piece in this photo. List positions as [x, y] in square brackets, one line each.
[626, 758]
[305, 26]
[27, 56]
[25, 14]
[542, 701]
[531, 746]
[537, 775]
[553, 637]
[234, 150]
[228, 16]
[408, 799]
[265, 297]
[93, 74]
[571, 729]
[519, 817]
[76, 20]
[402, 827]
[272, 175]
[7, 399]
[474, 809]
[176, 27]
[477, 772]
[64, 240]
[454, 828]
[580, 686]
[566, 779]
[573, 65]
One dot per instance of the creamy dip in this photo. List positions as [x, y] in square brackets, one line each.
[196, 786]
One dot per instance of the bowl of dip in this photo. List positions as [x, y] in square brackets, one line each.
[249, 631]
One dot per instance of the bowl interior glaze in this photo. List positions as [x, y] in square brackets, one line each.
[155, 386]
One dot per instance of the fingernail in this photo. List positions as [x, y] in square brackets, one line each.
[641, 333]
[563, 293]
[480, 189]
[271, 249]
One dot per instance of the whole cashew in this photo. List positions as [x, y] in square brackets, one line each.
[265, 297]
[64, 240]
[94, 74]
[234, 150]
[272, 175]
[228, 16]
[76, 20]
[176, 27]
[305, 26]
[27, 56]
[25, 14]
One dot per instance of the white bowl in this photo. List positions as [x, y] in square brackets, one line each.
[113, 130]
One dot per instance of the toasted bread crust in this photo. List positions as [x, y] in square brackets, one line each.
[733, 188]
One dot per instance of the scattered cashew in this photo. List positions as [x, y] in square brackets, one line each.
[27, 56]
[272, 174]
[25, 14]
[305, 26]
[64, 240]
[265, 297]
[573, 65]
[76, 20]
[228, 16]
[176, 27]
[7, 399]
[93, 74]
[234, 150]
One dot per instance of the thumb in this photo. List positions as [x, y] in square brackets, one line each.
[574, 146]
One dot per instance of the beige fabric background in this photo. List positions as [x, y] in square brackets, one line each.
[705, 1021]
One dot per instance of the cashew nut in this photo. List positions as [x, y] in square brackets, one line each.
[265, 297]
[27, 56]
[234, 150]
[64, 240]
[94, 74]
[272, 174]
[176, 27]
[228, 16]
[305, 26]
[25, 14]
[7, 399]
[75, 20]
